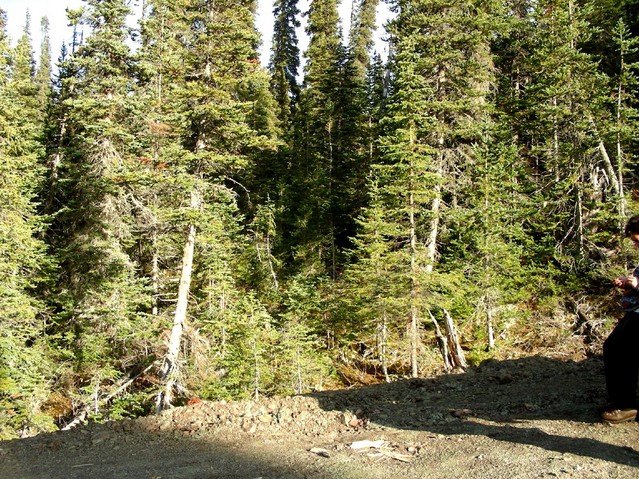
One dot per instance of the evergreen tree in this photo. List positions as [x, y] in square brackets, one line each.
[437, 119]
[355, 104]
[43, 72]
[165, 182]
[94, 234]
[317, 149]
[375, 281]
[25, 366]
[273, 174]
[361, 36]
[285, 58]
[407, 176]
[625, 114]
[234, 130]
[332, 144]
[559, 121]
[23, 73]
[376, 97]
[212, 116]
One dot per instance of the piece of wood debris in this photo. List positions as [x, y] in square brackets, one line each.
[393, 455]
[320, 451]
[368, 444]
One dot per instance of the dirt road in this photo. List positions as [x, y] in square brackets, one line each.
[526, 418]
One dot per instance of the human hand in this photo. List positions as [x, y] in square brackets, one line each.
[627, 282]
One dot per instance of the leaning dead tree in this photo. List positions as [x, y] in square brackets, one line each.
[169, 370]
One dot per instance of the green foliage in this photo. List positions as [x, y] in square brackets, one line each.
[254, 354]
[562, 105]
[285, 58]
[246, 352]
[25, 366]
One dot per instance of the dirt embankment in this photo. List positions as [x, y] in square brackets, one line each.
[526, 418]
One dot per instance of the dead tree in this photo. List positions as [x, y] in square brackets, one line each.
[169, 369]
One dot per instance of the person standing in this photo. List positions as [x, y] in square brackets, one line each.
[620, 350]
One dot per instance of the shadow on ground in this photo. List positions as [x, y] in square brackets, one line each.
[95, 452]
[517, 401]
[547, 406]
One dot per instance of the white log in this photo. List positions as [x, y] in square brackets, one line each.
[169, 369]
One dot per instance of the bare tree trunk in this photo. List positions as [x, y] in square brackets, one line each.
[269, 258]
[371, 143]
[330, 196]
[118, 388]
[571, 15]
[431, 246]
[258, 376]
[155, 273]
[169, 369]
[620, 162]
[490, 327]
[298, 373]
[442, 344]
[555, 140]
[580, 221]
[53, 179]
[612, 174]
[414, 288]
[382, 347]
[456, 352]
[616, 179]
[54, 171]
[414, 293]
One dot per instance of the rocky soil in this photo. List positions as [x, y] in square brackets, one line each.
[526, 418]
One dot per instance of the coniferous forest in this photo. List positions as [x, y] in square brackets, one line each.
[178, 221]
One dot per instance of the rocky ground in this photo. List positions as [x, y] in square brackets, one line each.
[526, 418]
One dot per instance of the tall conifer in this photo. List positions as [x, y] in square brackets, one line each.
[211, 117]
[285, 58]
[94, 232]
[560, 123]
[43, 72]
[437, 118]
[24, 363]
[317, 140]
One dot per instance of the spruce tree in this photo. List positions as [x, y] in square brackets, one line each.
[273, 174]
[332, 144]
[44, 69]
[374, 282]
[355, 104]
[285, 58]
[625, 113]
[361, 36]
[407, 179]
[103, 296]
[211, 117]
[559, 120]
[317, 147]
[25, 367]
[436, 122]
